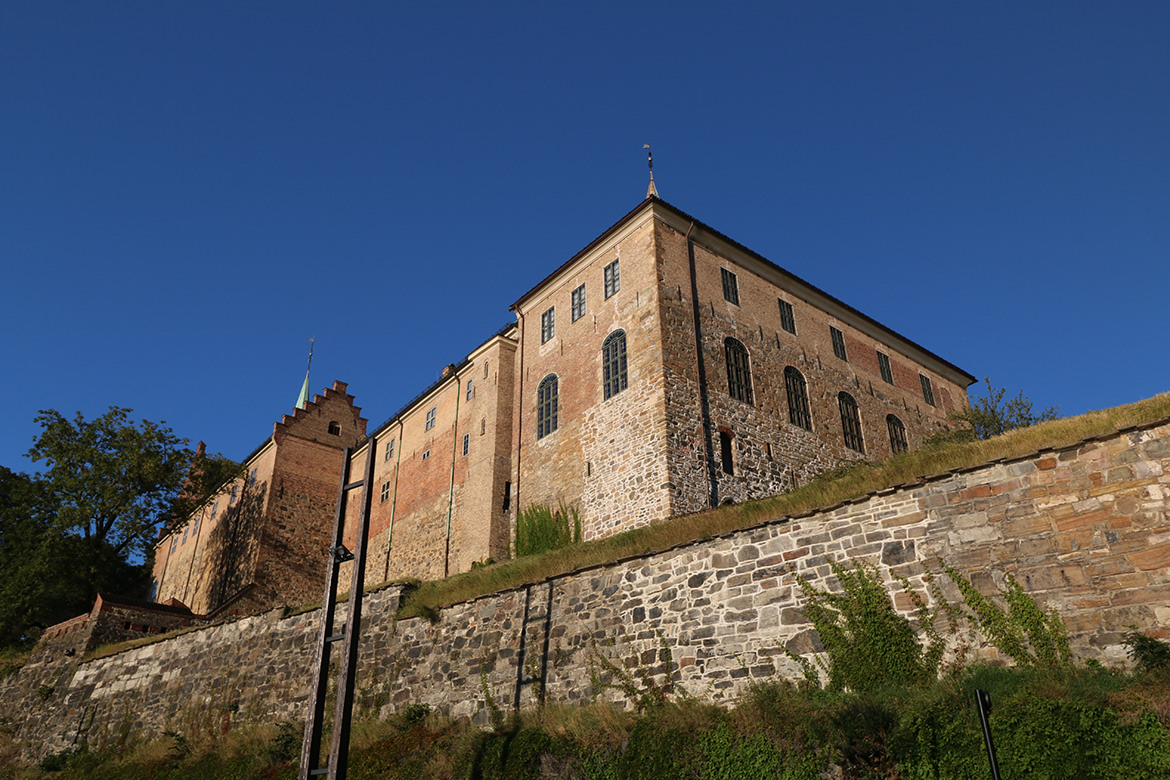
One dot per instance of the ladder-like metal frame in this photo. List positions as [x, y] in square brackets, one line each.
[337, 763]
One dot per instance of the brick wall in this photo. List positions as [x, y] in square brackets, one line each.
[1084, 529]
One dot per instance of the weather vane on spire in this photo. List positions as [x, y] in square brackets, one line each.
[303, 398]
[651, 191]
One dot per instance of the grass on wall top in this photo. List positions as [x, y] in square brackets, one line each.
[856, 481]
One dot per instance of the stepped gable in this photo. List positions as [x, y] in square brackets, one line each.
[330, 418]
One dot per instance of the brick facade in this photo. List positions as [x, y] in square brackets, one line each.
[645, 422]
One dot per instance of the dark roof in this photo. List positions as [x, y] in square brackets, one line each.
[755, 255]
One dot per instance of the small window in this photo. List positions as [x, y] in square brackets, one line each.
[466, 442]
[787, 318]
[426, 455]
[578, 309]
[430, 419]
[726, 455]
[174, 542]
[195, 530]
[615, 375]
[546, 406]
[613, 279]
[927, 390]
[850, 422]
[897, 434]
[385, 491]
[884, 365]
[153, 589]
[507, 496]
[797, 398]
[389, 450]
[730, 287]
[548, 325]
[186, 530]
[334, 428]
[214, 510]
[482, 426]
[470, 389]
[838, 342]
[485, 369]
[234, 494]
[252, 478]
[739, 374]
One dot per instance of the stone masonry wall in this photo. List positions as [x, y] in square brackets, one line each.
[1084, 529]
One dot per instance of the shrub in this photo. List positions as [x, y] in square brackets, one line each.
[540, 529]
[1150, 654]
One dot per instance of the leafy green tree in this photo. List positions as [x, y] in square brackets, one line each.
[88, 522]
[991, 415]
[110, 480]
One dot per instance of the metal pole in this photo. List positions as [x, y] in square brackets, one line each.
[339, 751]
[311, 747]
[983, 702]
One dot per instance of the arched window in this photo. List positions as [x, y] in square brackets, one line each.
[546, 406]
[613, 360]
[797, 398]
[739, 374]
[897, 434]
[850, 422]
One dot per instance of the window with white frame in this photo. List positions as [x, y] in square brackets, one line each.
[578, 308]
[613, 279]
[431, 419]
[548, 325]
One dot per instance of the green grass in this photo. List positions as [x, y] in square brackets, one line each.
[826, 492]
[1083, 722]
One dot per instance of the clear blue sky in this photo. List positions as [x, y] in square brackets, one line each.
[189, 191]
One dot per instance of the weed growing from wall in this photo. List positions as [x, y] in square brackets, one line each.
[868, 644]
[540, 529]
[1024, 632]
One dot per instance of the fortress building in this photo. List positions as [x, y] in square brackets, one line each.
[662, 370]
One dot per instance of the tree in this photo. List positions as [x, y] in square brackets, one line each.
[991, 415]
[110, 481]
[88, 523]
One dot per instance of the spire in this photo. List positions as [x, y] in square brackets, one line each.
[303, 398]
[651, 191]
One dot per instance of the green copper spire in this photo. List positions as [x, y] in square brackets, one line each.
[303, 398]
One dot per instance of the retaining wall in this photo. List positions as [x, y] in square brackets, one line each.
[1084, 529]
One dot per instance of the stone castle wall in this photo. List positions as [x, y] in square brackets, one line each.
[1084, 529]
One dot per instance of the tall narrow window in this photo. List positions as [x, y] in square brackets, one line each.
[613, 361]
[546, 406]
[470, 389]
[797, 398]
[389, 450]
[430, 419]
[385, 491]
[482, 426]
[850, 422]
[548, 325]
[578, 308]
[730, 287]
[787, 318]
[726, 455]
[613, 278]
[214, 510]
[739, 373]
[838, 342]
[884, 365]
[466, 442]
[897, 434]
[927, 390]
[235, 494]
